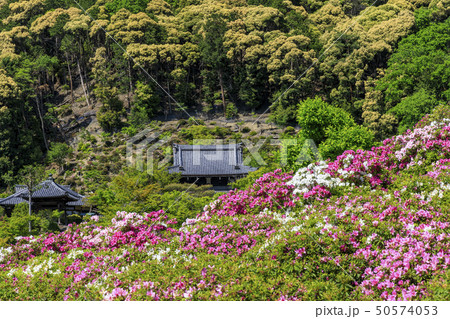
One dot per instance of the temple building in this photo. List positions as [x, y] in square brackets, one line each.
[48, 195]
[217, 165]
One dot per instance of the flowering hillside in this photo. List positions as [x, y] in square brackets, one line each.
[372, 225]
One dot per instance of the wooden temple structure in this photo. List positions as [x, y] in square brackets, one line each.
[217, 165]
[48, 195]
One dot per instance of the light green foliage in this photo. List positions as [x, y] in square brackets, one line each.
[325, 132]
[317, 117]
[181, 204]
[249, 180]
[31, 175]
[196, 132]
[19, 221]
[6, 237]
[126, 191]
[350, 138]
[138, 192]
[439, 287]
[18, 224]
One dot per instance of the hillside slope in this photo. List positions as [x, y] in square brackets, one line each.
[372, 225]
[113, 65]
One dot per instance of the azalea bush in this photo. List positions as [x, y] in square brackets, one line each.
[370, 225]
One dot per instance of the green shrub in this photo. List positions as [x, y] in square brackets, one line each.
[289, 130]
[109, 120]
[194, 121]
[84, 148]
[146, 104]
[138, 116]
[195, 132]
[221, 132]
[351, 138]
[74, 218]
[58, 153]
[440, 112]
[182, 122]
[130, 130]
[315, 117]
[231, 111]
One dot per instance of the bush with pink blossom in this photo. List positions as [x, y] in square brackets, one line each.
[371, 225]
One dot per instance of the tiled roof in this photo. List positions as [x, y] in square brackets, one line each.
[45, 190]
[81, 202]
[19, 188]
[71, 192]
[15, 198]
[12, 200]
[209, 160]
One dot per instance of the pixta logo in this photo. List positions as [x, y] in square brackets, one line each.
[143, 148]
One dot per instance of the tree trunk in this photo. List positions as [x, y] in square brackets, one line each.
[70, 77]
[82, 83]
[131, 84]
[29, 210]
[169, 99]
[222, 92]
[87, 82]
[59, 125]
[42, 121]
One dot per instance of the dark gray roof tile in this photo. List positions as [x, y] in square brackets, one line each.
[81, 202]
[12, 200]
[46, 189]
[209, 160]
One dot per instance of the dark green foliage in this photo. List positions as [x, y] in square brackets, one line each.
[412, 108]
[283, 111]
[146, 104]
[214, 56]
[423, 18]
[110, 115]
[133, 6]
[231, 111]
[421, 63]
[19, 126]
[58, 153]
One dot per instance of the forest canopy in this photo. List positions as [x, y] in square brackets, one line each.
[131, 61]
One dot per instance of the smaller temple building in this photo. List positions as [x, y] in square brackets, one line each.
[48, 195]
[217, 165]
